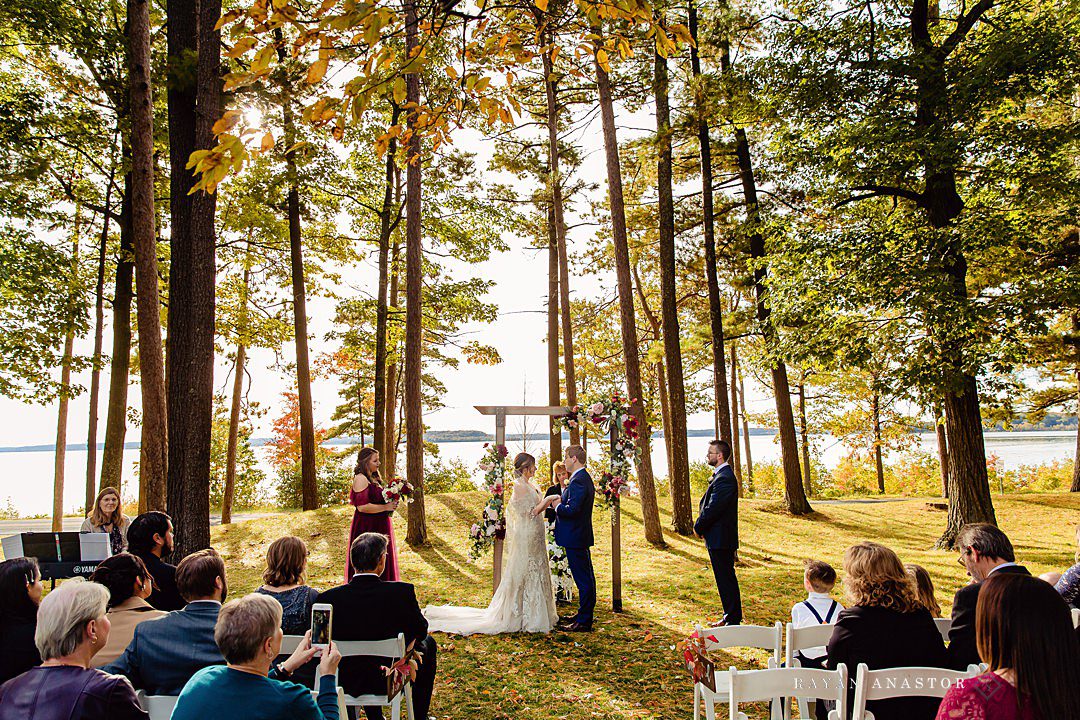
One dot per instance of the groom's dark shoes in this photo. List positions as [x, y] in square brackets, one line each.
[565, 622]
[578, 627]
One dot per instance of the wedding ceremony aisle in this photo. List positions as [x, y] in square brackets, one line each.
[629, 667]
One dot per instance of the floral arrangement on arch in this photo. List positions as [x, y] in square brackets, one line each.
[559, 565]
[492, 523]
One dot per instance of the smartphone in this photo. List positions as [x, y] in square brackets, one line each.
[322, 617]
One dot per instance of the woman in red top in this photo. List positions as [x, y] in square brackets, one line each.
[1023, 630]
[373, 513]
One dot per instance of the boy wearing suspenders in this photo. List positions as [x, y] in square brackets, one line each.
[817, 609]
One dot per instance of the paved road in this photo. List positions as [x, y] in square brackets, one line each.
[863, 501]
[13, 527]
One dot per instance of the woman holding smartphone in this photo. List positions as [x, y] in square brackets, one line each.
[373, 513]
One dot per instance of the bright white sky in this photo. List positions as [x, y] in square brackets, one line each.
[520, 293]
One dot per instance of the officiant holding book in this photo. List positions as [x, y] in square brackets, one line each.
[718, 524]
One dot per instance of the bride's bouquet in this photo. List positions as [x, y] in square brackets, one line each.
[398, 489]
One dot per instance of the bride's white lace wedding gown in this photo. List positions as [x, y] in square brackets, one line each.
[525, 601]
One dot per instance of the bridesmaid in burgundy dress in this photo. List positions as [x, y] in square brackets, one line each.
[372, 513]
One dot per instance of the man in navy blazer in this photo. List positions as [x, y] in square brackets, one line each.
[167, 651]
[574, 532]
[718, 524]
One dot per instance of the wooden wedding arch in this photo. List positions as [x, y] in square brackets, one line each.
[500, 412]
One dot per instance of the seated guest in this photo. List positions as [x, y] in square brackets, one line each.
[71, 626]
[20, 595]
[924, 588]
[129, 584]
[1068, 584]
[150, 537]
[165, 653]
[884, 627]
[984, 550]
[1023, 632]
[817, 609]
[369, 608]
[283, 580]
[248, 633]
[108, 517]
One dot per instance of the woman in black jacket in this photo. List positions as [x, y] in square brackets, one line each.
[20, 595]
[884, 626]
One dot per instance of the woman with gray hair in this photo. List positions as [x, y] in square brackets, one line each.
[248, 633]
[71, 628]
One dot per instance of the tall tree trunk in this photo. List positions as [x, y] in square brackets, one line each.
[661, 374]
[804, 437]
[736, 463]
[414, 318]
[728, 430]
[154, 452]
[192, 289]
[392, 369]
[95, 372]
[878, 464]
[237, 400]
[969, 488]
[382, 312]
[112, 457]
[552, 112]
[60, 452]
[309, 481]
[1076, 347]
[682, 514]
[794, 495]
[554, 391]
[943, 448]
[649, 509]
[746, 436]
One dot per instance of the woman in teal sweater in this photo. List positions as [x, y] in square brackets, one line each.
[248, 633]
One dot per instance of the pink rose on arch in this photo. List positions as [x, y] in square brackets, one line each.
[597, 409]
[486, 466]
[572, 423]
[497, 490]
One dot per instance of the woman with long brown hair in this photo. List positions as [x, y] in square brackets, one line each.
[884, 626]
[373, 513]
[108, 517]
[1024, 633]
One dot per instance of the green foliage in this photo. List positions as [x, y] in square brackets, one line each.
[248, 490]
[447, 476]
[333, 475]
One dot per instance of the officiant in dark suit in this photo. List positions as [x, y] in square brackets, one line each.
[718, 524]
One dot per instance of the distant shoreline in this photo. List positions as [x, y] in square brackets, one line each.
[472, 436]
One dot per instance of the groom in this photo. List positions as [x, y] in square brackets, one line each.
[573, 531]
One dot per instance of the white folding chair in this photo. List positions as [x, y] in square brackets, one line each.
[343, 714]
[394, 648]
[801, 639]
[1076, 617]
[944, 625]
[761, 637]
[758, 685]
[903, 682]
[160, 707]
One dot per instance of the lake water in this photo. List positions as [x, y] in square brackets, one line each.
[26, 478]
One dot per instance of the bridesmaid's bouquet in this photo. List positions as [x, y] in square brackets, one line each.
[398, 489]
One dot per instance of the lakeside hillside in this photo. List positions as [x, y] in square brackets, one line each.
[628, 667]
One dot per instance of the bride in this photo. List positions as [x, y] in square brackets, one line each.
[524, 601]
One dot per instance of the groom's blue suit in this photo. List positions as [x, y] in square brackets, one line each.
[573, 531]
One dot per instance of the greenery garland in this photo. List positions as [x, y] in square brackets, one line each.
[605, 414]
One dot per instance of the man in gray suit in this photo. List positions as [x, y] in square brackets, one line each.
[166, 652]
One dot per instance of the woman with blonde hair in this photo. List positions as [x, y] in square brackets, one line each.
[884, 626]
[108, 517]
[924, 588]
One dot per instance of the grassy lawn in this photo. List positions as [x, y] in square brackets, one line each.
[628, 668]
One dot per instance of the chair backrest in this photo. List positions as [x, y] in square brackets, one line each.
[1076, 617]
[761, 637]
[289, 643]
[944, 625]
[342, 710]
[757, 685]
[903, 682]
[391, 648]
[807, 637]
[160, 707]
